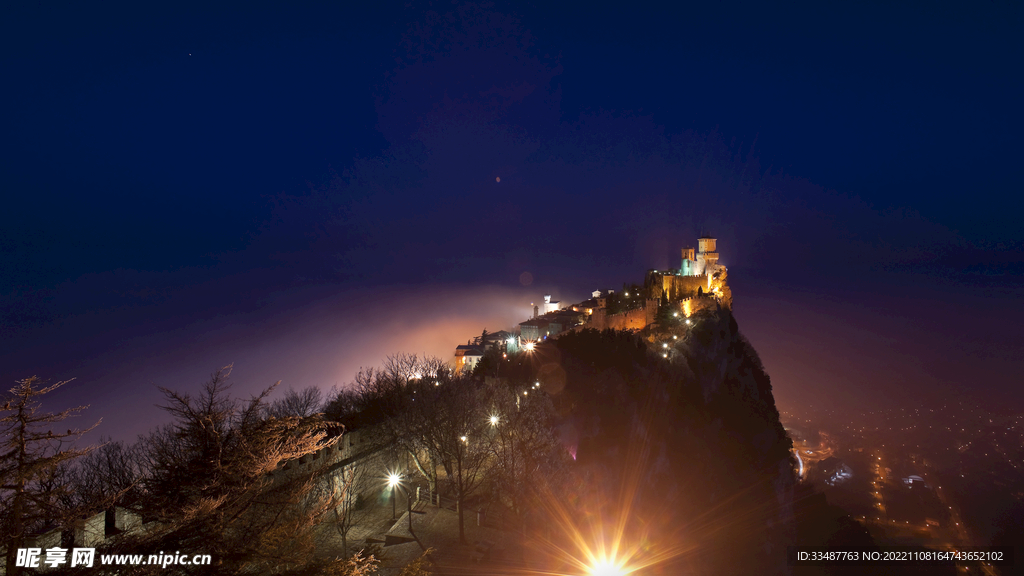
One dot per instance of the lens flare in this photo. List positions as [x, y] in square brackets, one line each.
[608, 524]
[606, 568]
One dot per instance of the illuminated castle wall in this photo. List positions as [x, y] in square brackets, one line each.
[636, 319]
[699, 272]
[675, 287]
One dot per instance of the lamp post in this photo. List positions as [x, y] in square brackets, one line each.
[394, 480]
[394, 483]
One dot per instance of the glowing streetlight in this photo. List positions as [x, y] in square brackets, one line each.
[529, 346]
[687, 320]
[675, 314]
[494, 420]
[664, 344]
[606, 568]
[394, 480]
[464, 439]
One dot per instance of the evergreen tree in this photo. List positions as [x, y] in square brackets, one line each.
[216, 484]
[31, 485]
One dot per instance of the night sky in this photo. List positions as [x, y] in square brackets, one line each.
[303, 189]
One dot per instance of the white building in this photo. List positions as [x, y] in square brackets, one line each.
[549, 305]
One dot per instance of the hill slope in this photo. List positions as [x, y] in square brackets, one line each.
[680, 443]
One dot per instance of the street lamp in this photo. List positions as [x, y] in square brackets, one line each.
[394, 483]
[394, 480]
[494, 420]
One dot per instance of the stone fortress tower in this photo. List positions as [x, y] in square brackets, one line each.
[707, 255]
[689, 265]
[703, 260]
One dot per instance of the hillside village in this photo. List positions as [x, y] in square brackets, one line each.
[699, 281]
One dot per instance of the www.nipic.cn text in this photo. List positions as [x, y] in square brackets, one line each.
[85, 557]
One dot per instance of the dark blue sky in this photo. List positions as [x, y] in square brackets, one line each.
[175, 172]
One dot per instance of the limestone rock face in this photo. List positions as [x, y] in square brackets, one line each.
[688, 438]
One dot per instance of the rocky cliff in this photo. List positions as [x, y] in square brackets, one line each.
[679, 443]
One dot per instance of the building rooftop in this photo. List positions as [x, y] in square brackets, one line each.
[539, 321]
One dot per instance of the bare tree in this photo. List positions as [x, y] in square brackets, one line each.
[302, 403]
[524, 446]
[216, 483]
[401, 381]
[32, 455]
[450, 420]
[380, 397]
[349, 484]
[111, 474]
[342, 406]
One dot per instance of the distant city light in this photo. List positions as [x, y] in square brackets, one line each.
[664, 345]
[675, 314]
[687, 320]
[464, 439]
[494, 420]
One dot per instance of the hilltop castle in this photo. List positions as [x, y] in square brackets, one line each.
[696, 274]
[699, 282]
